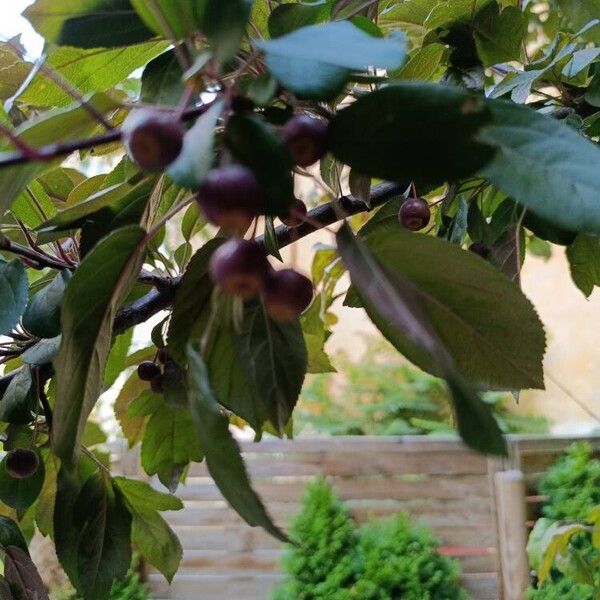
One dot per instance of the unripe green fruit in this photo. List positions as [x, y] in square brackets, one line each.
[153, 139]
[22, 463]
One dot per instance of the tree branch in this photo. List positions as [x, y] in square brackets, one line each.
[60, 149]
[164, 293]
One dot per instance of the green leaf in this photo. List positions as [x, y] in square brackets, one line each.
[169, 444]
[424, 64]
[132, 426]
[580, 13]
[222, 453]
[88, 71]
[271, 241]
[116, 357]
[224, 26]
[495, 344]
[584, 261]
[21, 493]
[18, 400]
[197, 155]
[181, 17]
[401, 124]
[499, 34]
[396, 308]
[191, 299]
[544, 165]
[255, 145]
[149, 531]
[43, 352]
[14, 71]
[22, 576]
[97, 288]
[448, 12]
[88, 23]
[13, 294]
[286, 18]
[10, 534]
[162, 80]
[104, 533]
[42, 315]
[316, 61]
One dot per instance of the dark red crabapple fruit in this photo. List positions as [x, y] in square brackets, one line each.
[414, 214]
[147, 370]
[306, 139]
[296, 216]
[162, 356]
[287, 294]
[156, 385]
[22, 463]
[480, 248]
[153, 139]
[240, 267]
[230, 198]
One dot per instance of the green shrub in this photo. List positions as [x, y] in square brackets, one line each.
[386, 560]
[400, 560]
[572, 486]
[381, 394]
[324, 564]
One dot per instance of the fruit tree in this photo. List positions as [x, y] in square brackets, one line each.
[151, 164]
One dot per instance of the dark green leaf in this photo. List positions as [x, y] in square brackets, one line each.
[13, 294]
[224, 26]
[43, 352]
[197, 156]
[286, 18]
[581, 13]
[413, 131]
[168, 18]
[546, 230]
[316, 61]
[10, 534]
[192, 296]
[104, 537]
[149, 531]
[21, 493]
[222, 453]
[255, 145]
[271, 242]
[499, 34]
[395, 306]
[116, 357]
[22, 576]
[96, 290]
[496, 344]
[42, 315]
[545, 166]
[18, 400]
[88, 24]
[584, 261]
[162, 80]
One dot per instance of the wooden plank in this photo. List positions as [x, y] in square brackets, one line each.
[290, 490]
[346, 464]
[233, 586]
[512, 534]
[405, 444]
[461, 513]
[236, 538]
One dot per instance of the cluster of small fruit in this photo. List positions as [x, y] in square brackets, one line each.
[152, 371]
[230, 198]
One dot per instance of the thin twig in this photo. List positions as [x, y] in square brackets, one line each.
[562, 388]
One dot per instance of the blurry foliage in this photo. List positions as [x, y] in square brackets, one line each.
[333, 560]
[382, 394]
[572, 486]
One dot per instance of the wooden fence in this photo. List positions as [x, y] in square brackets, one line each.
[468, 500]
